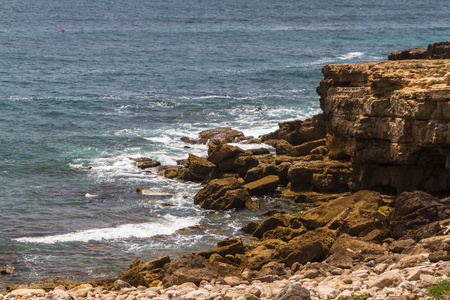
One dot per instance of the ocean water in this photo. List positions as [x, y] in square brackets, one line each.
[85, 85]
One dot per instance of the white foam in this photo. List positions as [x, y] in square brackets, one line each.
[166, 225]
[350, 55]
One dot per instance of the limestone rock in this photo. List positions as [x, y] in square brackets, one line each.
[226, 247]
[391, 118]
[224, 134]
[196, 168]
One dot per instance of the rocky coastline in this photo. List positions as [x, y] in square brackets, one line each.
[373, 169]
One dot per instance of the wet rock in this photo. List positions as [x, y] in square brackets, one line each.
[134, 278]
[439, 50]
[223, 134]
[260, 151]
[188, 268]
[222, 194]
[151, 192]
[145, 162]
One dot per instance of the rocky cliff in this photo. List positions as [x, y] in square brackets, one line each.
[391, 119]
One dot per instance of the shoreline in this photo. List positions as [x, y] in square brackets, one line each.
[355, 241]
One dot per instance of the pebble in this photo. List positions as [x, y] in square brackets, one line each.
[410, 275]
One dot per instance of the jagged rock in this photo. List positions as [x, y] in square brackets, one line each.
[322, 175]
[250, 227]
[299, 132]
[283, 233]
[226, 193]
[264, 185]
[391, 118]
[188, 268]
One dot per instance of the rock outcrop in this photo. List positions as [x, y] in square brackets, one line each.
[392, 120]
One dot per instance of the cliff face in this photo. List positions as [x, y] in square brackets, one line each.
[392, 119]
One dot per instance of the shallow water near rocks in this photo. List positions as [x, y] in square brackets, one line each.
[129, 80]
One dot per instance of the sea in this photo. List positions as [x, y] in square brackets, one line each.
[87, 85]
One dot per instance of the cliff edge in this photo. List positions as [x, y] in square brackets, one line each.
[391, 119]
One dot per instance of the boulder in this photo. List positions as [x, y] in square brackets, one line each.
[293, 292]
[222, 194]
[263, 186]
[188, 268]
[134, 278]
[218, 151]
[414, 210]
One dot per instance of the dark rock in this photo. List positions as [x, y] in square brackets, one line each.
[250, 227]
[264, 185]
[188, 268]
[413, 210]
[283, 233]
[439, 50]
[414, 53]
[260, 151]
[401, 245]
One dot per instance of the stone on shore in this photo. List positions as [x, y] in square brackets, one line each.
[263, 186]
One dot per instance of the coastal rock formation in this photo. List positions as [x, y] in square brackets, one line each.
[392, 120]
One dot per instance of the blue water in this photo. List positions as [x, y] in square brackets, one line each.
[84, 85]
